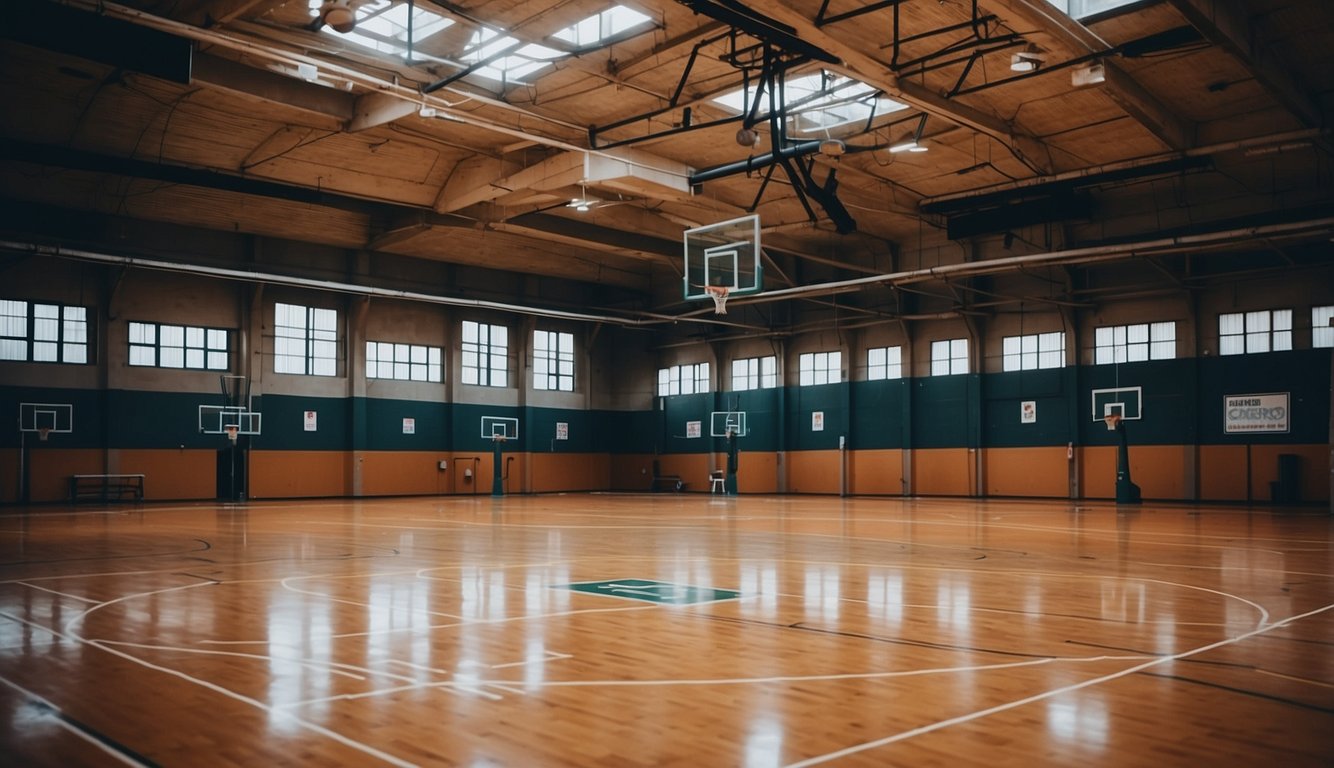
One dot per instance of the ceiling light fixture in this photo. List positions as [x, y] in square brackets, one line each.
[912, 143]
[340, 15]
[581, 203]
[748, 137]
[1027, 60]
[1089, 74]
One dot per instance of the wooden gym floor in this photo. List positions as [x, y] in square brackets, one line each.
[443, 631]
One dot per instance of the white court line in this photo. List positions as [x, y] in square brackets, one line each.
[357, 603]
[55, 592]
[336, 668]
[69, 727]
[272, 711]
[1046, 695]
[735, 680]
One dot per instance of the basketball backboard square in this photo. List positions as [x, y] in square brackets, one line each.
[726, 254]
[500, 426]
[1125, 401]
[723, 422]
[52, 417]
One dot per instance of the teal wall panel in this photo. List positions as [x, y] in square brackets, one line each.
[284, 423]
[382, 427]
[1304, 374]
[880, 418]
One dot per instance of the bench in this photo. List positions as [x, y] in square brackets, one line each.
[667, 483]
[106, 487]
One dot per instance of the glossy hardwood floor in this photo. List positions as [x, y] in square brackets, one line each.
[443, 631]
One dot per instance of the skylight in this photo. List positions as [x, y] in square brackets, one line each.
[382, 26]
[600, 26]
[1078, 9]
[820, 103]
[512, 62]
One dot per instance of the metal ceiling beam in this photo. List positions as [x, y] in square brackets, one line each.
[860, 66]
[1224, 22]
[1069, 37]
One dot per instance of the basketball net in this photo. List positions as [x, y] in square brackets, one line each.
[1112, 420]
[719, 295]
[42, 433]
[232, 431]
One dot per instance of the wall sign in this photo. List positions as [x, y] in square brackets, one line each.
[693, 429]
[1028, 412]
[562, 430]
[310, 421]
[817, 421]
[1267, 413]
[409, 426]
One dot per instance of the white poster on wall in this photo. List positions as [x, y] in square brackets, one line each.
[693, 429]
[562, 430]
[310, 421]
[409, 426]
[1266, 412]
[1028, 412]
[817, 421]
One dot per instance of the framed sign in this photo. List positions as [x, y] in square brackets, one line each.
[1264, 413]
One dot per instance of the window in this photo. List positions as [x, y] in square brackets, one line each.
[485, 354]
[601, 26]
[305, 340]
[1079, 9]
[496, 56]
[553, 361]
[1252, 332]
[43, 333]
[383, 26]
[1322, 326]
[819, 368]
[1037, 350]
[754, 373]
[179, 346]
[819, 103]
[683, 379]
[403, 362]
[1135, 343]
[949, 357]
[884, 363]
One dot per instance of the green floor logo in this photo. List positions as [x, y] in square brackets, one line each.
[652, 591]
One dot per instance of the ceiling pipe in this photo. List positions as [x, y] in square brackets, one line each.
[638, 320]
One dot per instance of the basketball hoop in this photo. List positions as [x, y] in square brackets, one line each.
[1112, 419]
[499, 438]
[719, 295]
[232, 431]
[42, 433]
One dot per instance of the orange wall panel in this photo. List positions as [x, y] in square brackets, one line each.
[631, 472]
[756, 472]
[299, 474]
[171, 473]
[49, 470]
[1042, 471]
[692, 468]
[570, 472]
[1158, 470]
[398, 473]
[876, 472]
[1222, 472]
[813, 471]
[942, 472]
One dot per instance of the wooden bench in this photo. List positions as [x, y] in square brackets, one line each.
[106, 487]
[667, 483]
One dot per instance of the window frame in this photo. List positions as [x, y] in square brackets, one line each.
[24, 334]
[553, 377]
[817, 368]
[1114, 345]
[318, 347]
[880, 371]
[758, 373]
[431, 371]
[1033, 351]
[955, 355]
[206, 349]
[1322, 331]
[486, 351]
[671, 380]
[1259, 331]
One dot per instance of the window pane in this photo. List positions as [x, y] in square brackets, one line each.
[172, 357]
[1322, 332]
[194, 358]
[75, 353]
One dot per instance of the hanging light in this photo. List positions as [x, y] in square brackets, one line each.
[1027, 60]
[912, 143]
[340, 15]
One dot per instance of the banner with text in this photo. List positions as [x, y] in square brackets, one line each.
[1255, 413]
